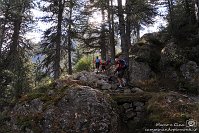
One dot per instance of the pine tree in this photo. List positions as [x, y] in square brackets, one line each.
[14, 46]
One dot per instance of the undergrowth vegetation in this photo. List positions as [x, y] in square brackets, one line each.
[85, 63]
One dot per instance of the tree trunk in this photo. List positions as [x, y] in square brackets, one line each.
[12, 58]
[197, 13]
[188, 12]
[122, 30]
[58, 41]
[137, 31]
[2, 32]
[170, 6]
[111, 30]
[102, 39]
[69, 40]
[128, 28]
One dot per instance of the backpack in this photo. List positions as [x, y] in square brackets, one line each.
[123, 64]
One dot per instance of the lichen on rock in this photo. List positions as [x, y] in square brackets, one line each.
[79, 109]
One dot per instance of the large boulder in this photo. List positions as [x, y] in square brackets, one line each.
[171, 59]
[78, 109]
[155, 37]
[190, 77]
[100, 81]
[139, 72]
[189, 70]
[147, 50]
[140, 52]
[172, 55]
[144, 58]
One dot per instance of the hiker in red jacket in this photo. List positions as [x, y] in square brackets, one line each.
[103, 65]
[120, 69]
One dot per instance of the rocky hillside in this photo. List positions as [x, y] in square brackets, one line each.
[69, 105]
[162, 94]
[157, 63]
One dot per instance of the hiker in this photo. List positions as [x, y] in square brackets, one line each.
[97, 63]
[121, 66]
[108, 61]
[103, 65]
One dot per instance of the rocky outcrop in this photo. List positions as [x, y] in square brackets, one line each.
[109, 83]
[139, 71]
[91, 78]
[155, 37]
[78, 109]
[144, 58]
[172, 107]
[157, 64]
[171, 55]
[190, 70]
[176, 67]
[190, 77]
[147, 50]
[68, 107]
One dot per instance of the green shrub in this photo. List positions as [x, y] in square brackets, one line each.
[85, 63]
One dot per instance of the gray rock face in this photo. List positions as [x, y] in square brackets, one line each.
[130, 113]
[170, 73]
[144, 58]
[168, 52]
[34, 106]
[133, 111]
[189, 70]
[99, 80]
[171, 55]
[80, 109]
[190, 73]
[139, 71]
[141, 52]
[136, 89]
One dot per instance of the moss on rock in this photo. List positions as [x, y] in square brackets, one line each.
[122, 98]
[171, 107]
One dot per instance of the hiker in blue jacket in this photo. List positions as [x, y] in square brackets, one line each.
[97, 63]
